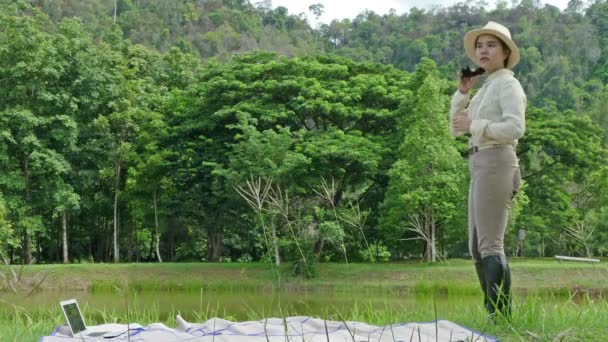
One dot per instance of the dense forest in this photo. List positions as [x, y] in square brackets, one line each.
[224, 130]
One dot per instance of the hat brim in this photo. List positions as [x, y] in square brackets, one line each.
[471, 37]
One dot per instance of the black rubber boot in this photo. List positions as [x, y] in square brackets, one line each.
[498, 285]
[482, 280]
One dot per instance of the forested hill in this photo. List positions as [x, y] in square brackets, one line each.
[149, 130]
[564, 53]
[215, 28]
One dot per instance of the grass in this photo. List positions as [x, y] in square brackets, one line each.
[553, 302]
[529, 275]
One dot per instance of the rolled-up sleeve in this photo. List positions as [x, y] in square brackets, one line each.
[459, 105]
[512, 125]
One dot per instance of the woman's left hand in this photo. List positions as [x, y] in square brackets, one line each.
[461, 123]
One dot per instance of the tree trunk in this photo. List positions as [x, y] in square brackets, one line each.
[115, 235]
[114, 17]
[214, 236]
[64, 236]
[431, 252]
[172, 224]
[38, 247]
[214, 245]
[319, 248]
[275, 243]
[157, 230]
[27, 253]
[171, 246]
[109, 243]
[151, 248]
[101, 242]
[133, 234]
[433, 242]
[129, 233]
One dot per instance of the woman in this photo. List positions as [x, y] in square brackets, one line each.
[495, 119]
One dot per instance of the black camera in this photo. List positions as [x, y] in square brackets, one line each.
[468, 73]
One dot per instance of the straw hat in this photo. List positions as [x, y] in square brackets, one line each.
[497, 30]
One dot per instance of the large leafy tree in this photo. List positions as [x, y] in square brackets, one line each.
[560, 152]
[296, 121]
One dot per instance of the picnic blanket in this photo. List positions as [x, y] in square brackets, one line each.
[296, 329]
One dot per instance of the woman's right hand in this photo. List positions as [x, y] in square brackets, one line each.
[466, 83]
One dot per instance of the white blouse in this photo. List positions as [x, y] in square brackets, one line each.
[497, 111]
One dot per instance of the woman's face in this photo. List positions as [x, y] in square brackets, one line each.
[490, 53]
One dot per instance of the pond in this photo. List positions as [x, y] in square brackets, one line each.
[239, 305]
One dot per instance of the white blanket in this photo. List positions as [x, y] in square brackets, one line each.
[292, 329]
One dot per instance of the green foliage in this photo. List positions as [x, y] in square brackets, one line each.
[430, 176]
[557, 155]
[149, 124]
[7, 234]
[377, 252]
[194, 248]
[295, 121]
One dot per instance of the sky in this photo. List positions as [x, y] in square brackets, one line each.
[341, 9]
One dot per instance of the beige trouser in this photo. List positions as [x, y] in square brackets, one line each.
[495, 178]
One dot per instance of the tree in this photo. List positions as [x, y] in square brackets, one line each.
[38, 131]
[148, 178]
[66, 201]
[427, 184]
[317, 10]
[558, 153]
[295, 121]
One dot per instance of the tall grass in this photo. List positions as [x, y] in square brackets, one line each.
[535, 318]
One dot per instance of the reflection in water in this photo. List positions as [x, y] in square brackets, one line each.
[380, 306]
[235, 305]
